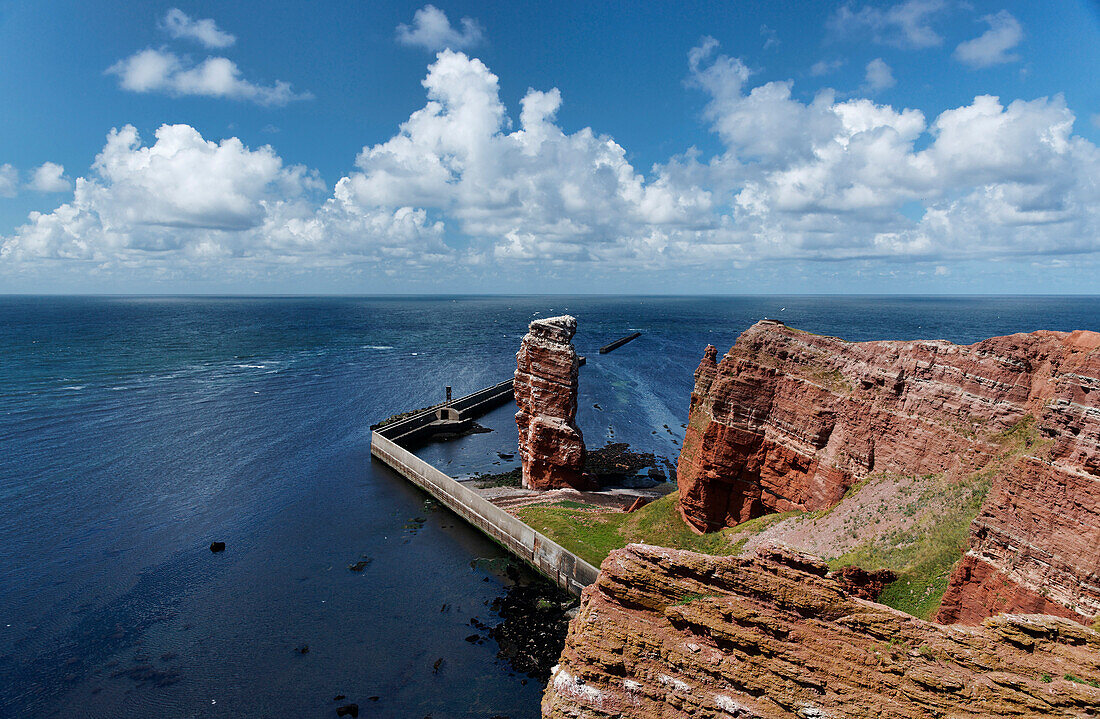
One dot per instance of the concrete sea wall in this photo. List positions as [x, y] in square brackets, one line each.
[567, 570]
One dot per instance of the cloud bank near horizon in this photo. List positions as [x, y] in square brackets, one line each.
[458, 183]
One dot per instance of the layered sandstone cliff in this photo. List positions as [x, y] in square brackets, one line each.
[666, 633]
[789, 420]
[551, 447]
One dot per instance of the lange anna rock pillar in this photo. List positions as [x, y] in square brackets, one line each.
[550, 445]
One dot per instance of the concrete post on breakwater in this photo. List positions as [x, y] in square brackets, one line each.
[561, 566]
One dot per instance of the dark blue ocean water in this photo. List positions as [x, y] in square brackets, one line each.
[134, 431]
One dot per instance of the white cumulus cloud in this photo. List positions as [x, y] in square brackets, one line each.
[907, 24]
[825, 67]
[432, 30]
[462, 183]
[188, 200]
[829, 179]
[206, 32]
[163, 71]
[995, 45]
[49, 177]
[879, 76]
[9, 180]
[537, 190]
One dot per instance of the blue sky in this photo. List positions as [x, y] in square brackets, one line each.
[923, 146]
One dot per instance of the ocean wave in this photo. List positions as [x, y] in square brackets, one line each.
[377, 347]
[251, 366]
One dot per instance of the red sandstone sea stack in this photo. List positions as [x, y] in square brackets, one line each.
[551, 447]
[789, 420]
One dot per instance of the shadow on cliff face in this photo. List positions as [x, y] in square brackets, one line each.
[535, 616]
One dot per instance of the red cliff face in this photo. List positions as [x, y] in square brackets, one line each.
[670, 634]
[551, 447]
[790, 420]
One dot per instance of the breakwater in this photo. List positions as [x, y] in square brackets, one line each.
[561, 566]
[452, 416]
[619, 343]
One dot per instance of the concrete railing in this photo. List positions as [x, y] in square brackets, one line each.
[566, 569]
[489, 397]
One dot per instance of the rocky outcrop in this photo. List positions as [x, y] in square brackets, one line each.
[551, 447]
[789, 420]
[667, 633]
[861, 583]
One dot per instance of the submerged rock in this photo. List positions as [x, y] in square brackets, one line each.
[217, 547]
[535, 621]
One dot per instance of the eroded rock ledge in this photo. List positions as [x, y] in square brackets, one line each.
[788, 420]
[667, 633]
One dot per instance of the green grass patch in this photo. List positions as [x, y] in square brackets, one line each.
[742, 533]
[593, 535]
[687, 599]
[1022, 437]
[589, 535]
[925, 555]
[1079, 680]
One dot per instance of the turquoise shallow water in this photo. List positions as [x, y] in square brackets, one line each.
[133, 431]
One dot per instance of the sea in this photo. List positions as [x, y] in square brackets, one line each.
[134, 431]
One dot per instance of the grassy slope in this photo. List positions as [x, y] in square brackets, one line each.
[923, 557]
[593, 534]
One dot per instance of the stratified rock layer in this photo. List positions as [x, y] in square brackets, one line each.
[666, 633]
[790, 420]
[551, 447]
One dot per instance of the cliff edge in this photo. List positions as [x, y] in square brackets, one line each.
[789, 420]
[668, 633]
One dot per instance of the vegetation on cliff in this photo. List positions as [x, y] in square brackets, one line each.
[593, 534]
